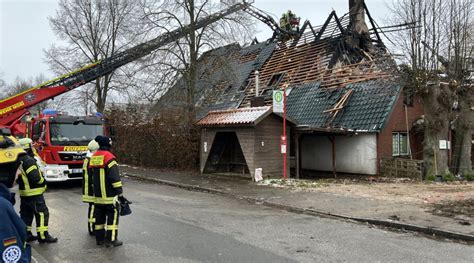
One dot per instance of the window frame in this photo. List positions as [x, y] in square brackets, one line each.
[400, 151]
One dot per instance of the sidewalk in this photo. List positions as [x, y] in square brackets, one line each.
[377, 212]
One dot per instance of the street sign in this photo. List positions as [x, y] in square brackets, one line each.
[278, 101]
[283, 144]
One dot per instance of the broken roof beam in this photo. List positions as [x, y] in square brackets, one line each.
[379, 40]
[297, 38]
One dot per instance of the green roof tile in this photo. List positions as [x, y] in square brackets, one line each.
[367, 108]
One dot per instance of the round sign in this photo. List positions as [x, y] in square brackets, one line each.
[278, 96]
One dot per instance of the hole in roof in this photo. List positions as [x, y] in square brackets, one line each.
[228, 89]
[275, 79]
[244, 85]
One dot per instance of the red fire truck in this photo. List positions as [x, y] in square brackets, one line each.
[60, 139]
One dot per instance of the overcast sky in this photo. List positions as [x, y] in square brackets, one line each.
[25, 31]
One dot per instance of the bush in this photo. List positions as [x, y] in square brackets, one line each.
[469, 176]
[163, 141]
[430, 177]
[448, 177]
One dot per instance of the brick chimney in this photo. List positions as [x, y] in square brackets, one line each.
[360, 32]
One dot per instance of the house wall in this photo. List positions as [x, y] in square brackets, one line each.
[397, 122]
[354, 154]
[267, 147]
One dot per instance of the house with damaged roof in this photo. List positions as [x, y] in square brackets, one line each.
[346, 110]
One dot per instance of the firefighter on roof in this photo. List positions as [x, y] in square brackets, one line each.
[13, 247]
[32, 185]
[87, 186]
[107, 192]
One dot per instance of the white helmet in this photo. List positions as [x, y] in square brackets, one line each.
[93, 146]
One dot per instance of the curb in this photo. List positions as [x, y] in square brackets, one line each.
[390, 224]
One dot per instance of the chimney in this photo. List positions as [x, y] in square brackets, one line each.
[357, 16]
[360, 37]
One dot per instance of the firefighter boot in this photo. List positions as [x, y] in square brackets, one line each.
[48, 239]
[114, 243]
[30, 237]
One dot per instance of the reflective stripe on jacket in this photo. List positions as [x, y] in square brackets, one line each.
[106, 179]
[31, 181]
[87, 186]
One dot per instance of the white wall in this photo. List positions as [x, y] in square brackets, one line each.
[354, 154]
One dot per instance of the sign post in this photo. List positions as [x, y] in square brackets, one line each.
[284, 134]
[279, 106]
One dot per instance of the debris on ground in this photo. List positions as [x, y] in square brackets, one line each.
[402, 190]
[462, 210]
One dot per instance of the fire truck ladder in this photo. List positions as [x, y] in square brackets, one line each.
[13, 108]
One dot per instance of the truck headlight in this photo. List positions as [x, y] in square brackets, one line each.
[53, 172]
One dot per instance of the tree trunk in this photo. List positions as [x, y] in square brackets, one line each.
[193, 57]
[464, 126]
[436, 129]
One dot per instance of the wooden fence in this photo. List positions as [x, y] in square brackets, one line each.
[401, 168]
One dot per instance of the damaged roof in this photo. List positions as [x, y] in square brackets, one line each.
[366, 110]
[335, 83]
[247, 116]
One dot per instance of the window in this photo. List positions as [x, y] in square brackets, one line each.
[275, 80]
[399, 144]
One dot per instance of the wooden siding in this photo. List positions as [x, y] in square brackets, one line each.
[207, 136]
[268, 156]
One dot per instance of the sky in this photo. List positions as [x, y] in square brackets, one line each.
[25, 31]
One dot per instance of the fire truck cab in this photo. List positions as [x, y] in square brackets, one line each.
[61, 142]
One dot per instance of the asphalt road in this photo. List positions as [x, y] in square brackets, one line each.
[174, 225]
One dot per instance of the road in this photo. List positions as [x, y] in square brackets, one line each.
[174, 225]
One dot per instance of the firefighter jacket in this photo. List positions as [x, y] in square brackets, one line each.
[31, 181]
[13, 247]
[106, 183]
[87, 183]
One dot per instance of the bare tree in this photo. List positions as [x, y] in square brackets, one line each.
[430, 73]
[182, 55]
[2, 85]
[93, 31]
[19, 85]
[459, 31]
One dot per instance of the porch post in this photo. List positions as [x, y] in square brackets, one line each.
[297, 154]
[333, 143]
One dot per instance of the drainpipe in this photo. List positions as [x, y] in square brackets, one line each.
[257, 83]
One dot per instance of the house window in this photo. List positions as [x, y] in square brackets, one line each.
[275, 80]
[399, 144]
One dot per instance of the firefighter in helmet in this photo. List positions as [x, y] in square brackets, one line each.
[13, 247]
[107, 191]
[87, 186]
[32, 185]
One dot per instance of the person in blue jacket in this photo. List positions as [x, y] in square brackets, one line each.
[13, 246]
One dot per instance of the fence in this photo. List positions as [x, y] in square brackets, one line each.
[401, 168]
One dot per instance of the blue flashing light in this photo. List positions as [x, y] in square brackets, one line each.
[50, 112]
[99, 115]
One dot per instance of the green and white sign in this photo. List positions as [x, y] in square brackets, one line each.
[278, 101]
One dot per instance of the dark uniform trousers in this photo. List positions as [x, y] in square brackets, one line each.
[91, 218]
[106, 222]
[35, 207]
[107, 188]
